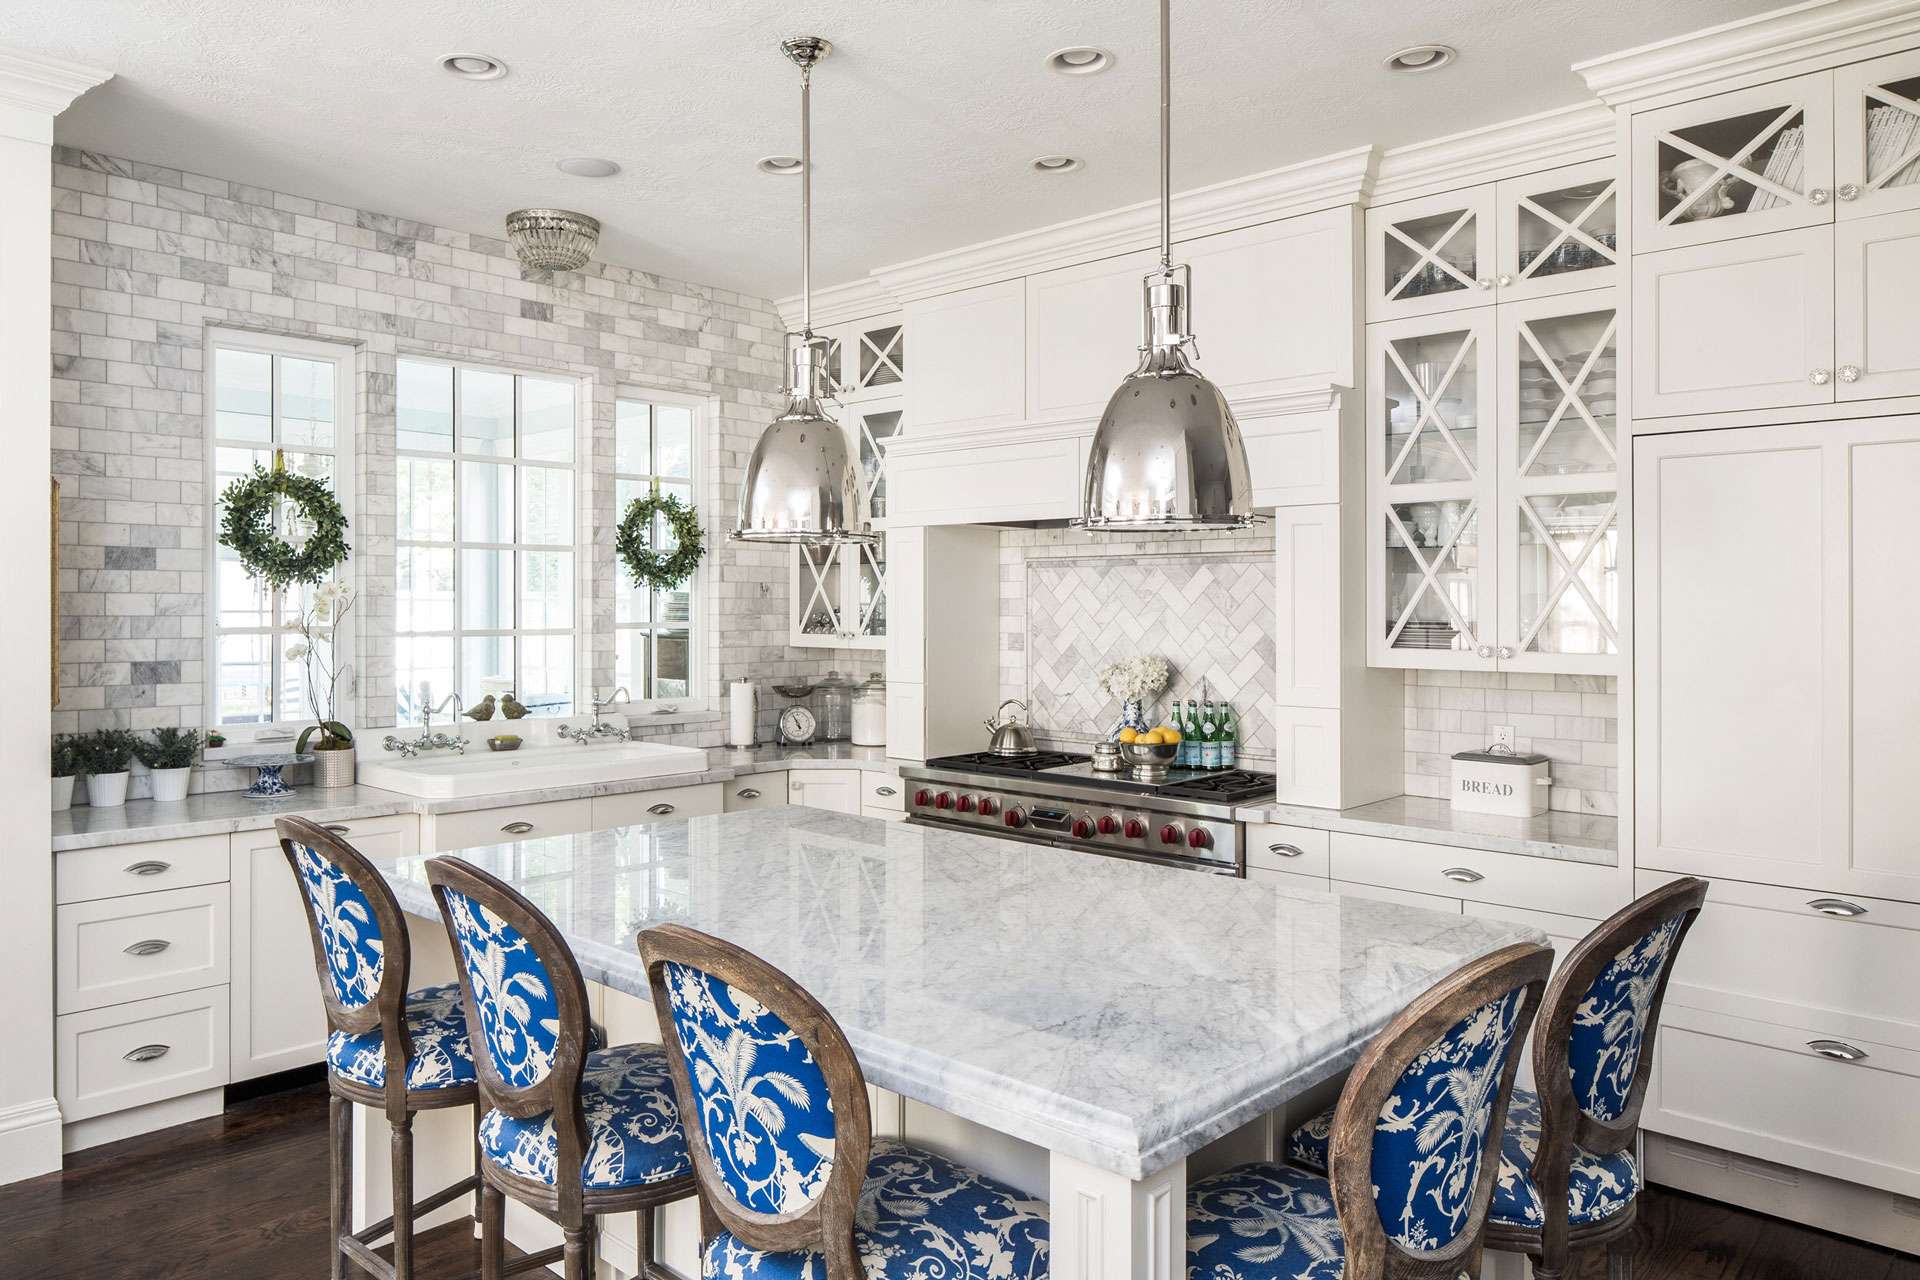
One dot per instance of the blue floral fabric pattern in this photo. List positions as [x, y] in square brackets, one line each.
[1599, 1186]
[1263, 1222]
[349, 934]
[437, 1026]
[513, 993]
[1611, 1023]
[633, 1128]
[920, 1217]
[765, 1113]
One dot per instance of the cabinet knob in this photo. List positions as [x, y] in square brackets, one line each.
[1287, 850]
[1819, 195]
[660, 810]
[1503, 279]
[1849, 373]
[151, 867]
[1463, 875]
[1820, 377]
[146, 1053]
[149, 947]
[1505, 651]
[1485, 651]
[1837, 907]
[1485, 282]
[1838, 1050]
[517, 828]
[1849, 191]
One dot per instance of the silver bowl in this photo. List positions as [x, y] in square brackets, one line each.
[1149, 760]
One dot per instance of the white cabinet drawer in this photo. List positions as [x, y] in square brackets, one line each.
[1301, 851]
[83, 874]
[882, 791]
[132, 1054]
[1405, 897]
[1760, 1089]
[754, 791]
[1505, 879]
[480, 827]
[150, 944]
[637, 808]
[885, 815]
[1287, 879]
[1769, 954]
[837, 790]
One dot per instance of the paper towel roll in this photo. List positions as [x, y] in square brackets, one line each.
[740, 711]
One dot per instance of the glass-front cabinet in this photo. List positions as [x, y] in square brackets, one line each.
[1558, 231]
[1492, 448]
[1877, 136]
[1431, 254]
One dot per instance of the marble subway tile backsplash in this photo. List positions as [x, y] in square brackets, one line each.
[1572, 720]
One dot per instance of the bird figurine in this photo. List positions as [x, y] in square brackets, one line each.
[512, 707]
[481, 710]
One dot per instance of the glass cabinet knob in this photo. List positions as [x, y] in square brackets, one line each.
[1849, 191]
[1505, 651]
[1484, 282]
[1503, 279]
[1849, 373]
[1819, 195]
[1485, 651]
[1820, 377]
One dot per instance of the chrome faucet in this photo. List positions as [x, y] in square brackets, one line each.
[599, 730]
[428, 739]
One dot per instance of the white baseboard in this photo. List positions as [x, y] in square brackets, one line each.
[1815, 1200]
[29, 1139]
[134, 1121]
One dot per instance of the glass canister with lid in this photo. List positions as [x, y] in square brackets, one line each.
[870, 712]
[836, 706]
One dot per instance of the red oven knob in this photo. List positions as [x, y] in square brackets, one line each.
[943, 801]
[1082, 829]
[988, 806]
[964, 804]
[1169, 834]
[1135, 829]
[1109, 824]
[923, 797]
[1199, 839]
[1015, 818]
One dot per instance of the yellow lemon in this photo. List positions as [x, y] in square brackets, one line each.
[1170, 736]
[1129, 735]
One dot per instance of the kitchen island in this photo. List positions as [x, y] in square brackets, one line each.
[1082, 1027]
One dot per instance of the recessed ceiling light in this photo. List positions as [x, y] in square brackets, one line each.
[1056, 164]
[785, 166]
[474, 66]
[1421, 57]
[1079, 60]
[588, 167]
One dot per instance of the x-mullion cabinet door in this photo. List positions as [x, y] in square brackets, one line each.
[1558, 231]
[1431, 254]
[1431, 457]
[1559, 552]
[1876, 110]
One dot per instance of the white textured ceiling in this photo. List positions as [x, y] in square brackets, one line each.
[925, 118]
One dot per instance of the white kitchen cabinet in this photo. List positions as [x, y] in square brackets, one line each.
[884, 814]
[1876, 285]
[979, 377]
[754, 791]
[834, 789]
[1557, 231]
[838, 594]
[1876, 123]
[503, 824]
[1083, 328]
[127, 1055]
[1735, 164]
[867, 359]
[957, 480]
[882, 791]
[638, 808]
[276, 1018]
[113, 950]
[1738, 324]
[1773, 690]
[1430, 254]
[1582, 889]
[1300, 851]
[1402, 897]
[80, 875]
[1272, 305]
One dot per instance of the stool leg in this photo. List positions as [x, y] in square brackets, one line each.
[340, 1156]
[577, 1258]
[493, 1239]
[1620, 1258]
[643, 1242]
[403, 1199]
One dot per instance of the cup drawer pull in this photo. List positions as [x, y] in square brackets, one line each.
[338, 828]
[747, 793]
[146, 1052]
[1463, 875]
[885, 791]
[660, 810]
[150, 867]
[1287, 850]
[517, 828]
[1838, 1050]
[147, 947]
[1837, 907]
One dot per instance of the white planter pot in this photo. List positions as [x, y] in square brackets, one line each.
[105, 790]
[63, 793]
[170, 785]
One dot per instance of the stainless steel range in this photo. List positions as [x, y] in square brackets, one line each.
[1058, 798]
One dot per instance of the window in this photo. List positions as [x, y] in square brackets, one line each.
[487, 544]
[653, 449]
[268, 394]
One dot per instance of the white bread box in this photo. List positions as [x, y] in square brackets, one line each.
[1498, 781]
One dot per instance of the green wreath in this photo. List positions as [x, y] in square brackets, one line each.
[633, 541]
[248, 527]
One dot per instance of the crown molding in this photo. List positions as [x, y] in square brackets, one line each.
[1800, 38]
[1565, 135]
[35, 89]
[860, 299]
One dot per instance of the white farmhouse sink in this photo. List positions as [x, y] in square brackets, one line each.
[444, 775]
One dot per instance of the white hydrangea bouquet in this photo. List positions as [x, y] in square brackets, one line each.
[1135, 681]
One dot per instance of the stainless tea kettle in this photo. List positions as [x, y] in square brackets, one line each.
[1010, 736]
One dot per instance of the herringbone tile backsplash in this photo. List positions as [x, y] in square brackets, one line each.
[1069, 606]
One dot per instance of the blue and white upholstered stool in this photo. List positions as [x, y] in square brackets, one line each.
[1568, 1176]
[792, 1184]
[389, 1048]
[569, 1129]
[1411, 1176]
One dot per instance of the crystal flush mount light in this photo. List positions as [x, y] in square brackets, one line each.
[552, 239]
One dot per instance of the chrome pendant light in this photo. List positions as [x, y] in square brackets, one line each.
[800, 484]
[1167, 453]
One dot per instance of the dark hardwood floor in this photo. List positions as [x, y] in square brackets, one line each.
[244, 1196]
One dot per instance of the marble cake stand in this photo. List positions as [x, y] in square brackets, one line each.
[268, 783]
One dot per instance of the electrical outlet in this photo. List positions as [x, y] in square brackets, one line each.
[1503, 736]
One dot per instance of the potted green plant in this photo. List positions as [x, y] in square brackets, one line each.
[328, 736]
[106, 755]
[66, 763]
[169, 754]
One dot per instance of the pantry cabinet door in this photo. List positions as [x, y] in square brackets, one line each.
[1431, 254]
[970, 363]
[1876, 287]
[1876, 122]
[1744, 324]
[1735, 164]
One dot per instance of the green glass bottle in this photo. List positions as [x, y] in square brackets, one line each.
[1189, 757]
[1209, 736]
[1229, 737]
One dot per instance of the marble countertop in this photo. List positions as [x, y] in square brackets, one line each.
[1566, 837]
[224, 812]
[1116, 1012]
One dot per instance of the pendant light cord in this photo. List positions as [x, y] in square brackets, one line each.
[1166, 137]
[806, 199]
